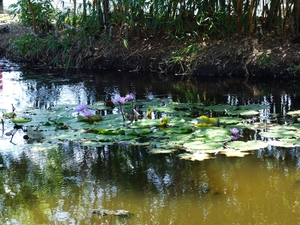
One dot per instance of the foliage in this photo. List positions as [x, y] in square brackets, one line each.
[78, 28]
[43, 11]
[176, 17]
[28, 46]
[294, 69]
[265, 60]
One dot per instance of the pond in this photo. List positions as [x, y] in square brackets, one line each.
[125, 184]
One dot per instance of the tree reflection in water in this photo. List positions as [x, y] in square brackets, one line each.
[67, 183]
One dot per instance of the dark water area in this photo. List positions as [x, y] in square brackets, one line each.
[74, 184]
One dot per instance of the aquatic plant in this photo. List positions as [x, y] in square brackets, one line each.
[121, 100]
[80, 107]
[129, 97]
[86, 115]
[234, 133]
[172, 129]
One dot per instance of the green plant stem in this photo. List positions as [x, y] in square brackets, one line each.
[133, 114]
[2, 122]
[122, 112]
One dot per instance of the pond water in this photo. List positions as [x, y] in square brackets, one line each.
[72, 184]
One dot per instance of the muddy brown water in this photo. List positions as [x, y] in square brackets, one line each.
[70, 184]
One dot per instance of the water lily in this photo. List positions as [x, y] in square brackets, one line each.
[87, 113]
[129, 97]
[123, 144]
[119, 100]
[80, 107]
[234, 133]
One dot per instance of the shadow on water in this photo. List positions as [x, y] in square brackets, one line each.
[74, 184]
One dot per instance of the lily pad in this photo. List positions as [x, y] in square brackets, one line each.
[200, 145]
[282, 143]
[286, 142]
[196, 156]
[280, 132]
[295, 113]
[247, 146]
[162, 151]
[21, 120]
[213, 134]
[234, 153]
[220, 108]
[247, 113]
[230, 120]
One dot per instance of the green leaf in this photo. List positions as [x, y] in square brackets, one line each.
[21, 120]
[246, 146]
[229, 120]
[196, 156]
[162, 151]
[197, 145]
[279, 132]
[93, 118]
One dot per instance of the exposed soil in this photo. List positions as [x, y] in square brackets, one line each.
[235, 56]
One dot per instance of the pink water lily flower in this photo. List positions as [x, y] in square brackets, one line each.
[88, 113]
[119, 99]
[129, 97]
[234, 133]
[80, 107]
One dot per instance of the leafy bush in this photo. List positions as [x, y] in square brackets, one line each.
[43, 12]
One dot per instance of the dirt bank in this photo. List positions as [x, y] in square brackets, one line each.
[234, 56]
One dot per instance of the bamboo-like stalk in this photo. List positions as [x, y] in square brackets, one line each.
[251, 18]
[32, 16]
[74, 12]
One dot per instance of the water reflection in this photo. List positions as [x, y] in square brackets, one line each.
[41, 93]
[66, 185]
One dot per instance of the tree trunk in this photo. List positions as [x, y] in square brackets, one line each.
[74, 12]
[32, 16]
[286, 17]
[251, 18]
[238, 12]
[222, 5]
[105, 13]
[272, 14]
[296, 16]
[84, 11]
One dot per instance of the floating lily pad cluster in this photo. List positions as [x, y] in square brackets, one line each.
[160, 125]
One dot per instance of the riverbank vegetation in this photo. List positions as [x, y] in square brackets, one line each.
[181, 37]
